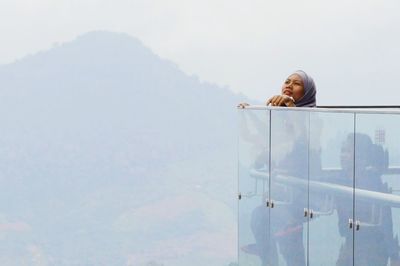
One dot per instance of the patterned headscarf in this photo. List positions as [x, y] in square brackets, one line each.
[309, 99]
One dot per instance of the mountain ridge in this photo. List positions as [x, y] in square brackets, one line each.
[98, 130]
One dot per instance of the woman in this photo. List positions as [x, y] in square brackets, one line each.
[297, 91]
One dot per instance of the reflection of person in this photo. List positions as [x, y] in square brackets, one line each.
[298, 90]
[374, 243]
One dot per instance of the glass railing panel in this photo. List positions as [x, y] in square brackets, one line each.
[330, 188]
[349, 181]
[377, 193]
[253, 181]
[289, 181]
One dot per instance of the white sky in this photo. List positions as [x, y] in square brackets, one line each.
[351, 48]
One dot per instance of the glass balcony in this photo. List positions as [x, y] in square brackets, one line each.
[318, 187]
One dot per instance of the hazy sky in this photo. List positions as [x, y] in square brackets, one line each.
[351, 48]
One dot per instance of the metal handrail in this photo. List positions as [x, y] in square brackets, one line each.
[330, 109]
[360, 106]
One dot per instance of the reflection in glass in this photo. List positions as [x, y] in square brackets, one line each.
[253, 186]
[330, 190]
[375, 240]
[334, 192]
[289, 178]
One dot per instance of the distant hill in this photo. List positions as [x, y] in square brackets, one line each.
[110, 154]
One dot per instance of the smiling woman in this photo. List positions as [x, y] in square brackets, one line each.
[297, 91]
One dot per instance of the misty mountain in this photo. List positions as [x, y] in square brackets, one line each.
[108, 151]
[110, 81]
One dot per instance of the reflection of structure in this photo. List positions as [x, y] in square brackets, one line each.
[326, 187]
[340, 214]
[380, 136]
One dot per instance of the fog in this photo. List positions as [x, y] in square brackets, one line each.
[350, 48]
[133, 122]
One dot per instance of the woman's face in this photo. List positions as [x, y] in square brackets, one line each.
[293, 87]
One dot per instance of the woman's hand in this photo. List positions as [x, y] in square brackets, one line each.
[242, 105]
[281, 100]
